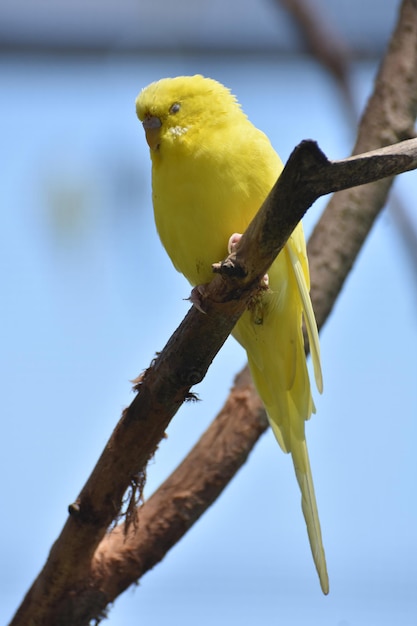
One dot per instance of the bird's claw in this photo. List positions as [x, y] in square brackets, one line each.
[231, 247]
[197, 296]
[233, 241]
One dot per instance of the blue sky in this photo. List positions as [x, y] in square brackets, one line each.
[88, 298]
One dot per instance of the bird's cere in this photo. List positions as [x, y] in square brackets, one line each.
[151, 122]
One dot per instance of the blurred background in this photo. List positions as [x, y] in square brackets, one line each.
[89, 296]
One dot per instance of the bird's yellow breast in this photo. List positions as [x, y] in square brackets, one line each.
[201, 196]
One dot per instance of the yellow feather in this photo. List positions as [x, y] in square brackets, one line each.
[300, 270]
[211, 171]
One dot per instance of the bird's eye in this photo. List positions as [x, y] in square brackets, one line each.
[175, 107]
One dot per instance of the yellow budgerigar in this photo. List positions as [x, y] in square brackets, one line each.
[211, 171]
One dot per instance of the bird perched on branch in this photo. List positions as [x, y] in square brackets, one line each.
[211, 171]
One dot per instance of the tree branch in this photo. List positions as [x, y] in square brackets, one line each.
[320, 37]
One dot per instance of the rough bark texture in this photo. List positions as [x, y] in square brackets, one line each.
[185, 495]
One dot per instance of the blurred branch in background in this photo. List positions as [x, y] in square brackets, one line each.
[323, 40]
[327, 45]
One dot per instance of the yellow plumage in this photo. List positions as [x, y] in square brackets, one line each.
[211, 171]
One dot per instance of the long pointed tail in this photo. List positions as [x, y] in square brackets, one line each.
[302, 468]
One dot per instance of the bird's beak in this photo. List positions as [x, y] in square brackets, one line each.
[152, 126]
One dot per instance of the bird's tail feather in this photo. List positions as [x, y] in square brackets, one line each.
[302, 468]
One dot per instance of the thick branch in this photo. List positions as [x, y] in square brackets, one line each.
[185, 495]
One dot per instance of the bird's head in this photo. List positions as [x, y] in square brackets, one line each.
[175, 108]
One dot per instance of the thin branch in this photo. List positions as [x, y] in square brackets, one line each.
[321, 37]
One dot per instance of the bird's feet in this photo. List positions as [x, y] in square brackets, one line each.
[233, 241]
[197, 298]
[231, 247]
